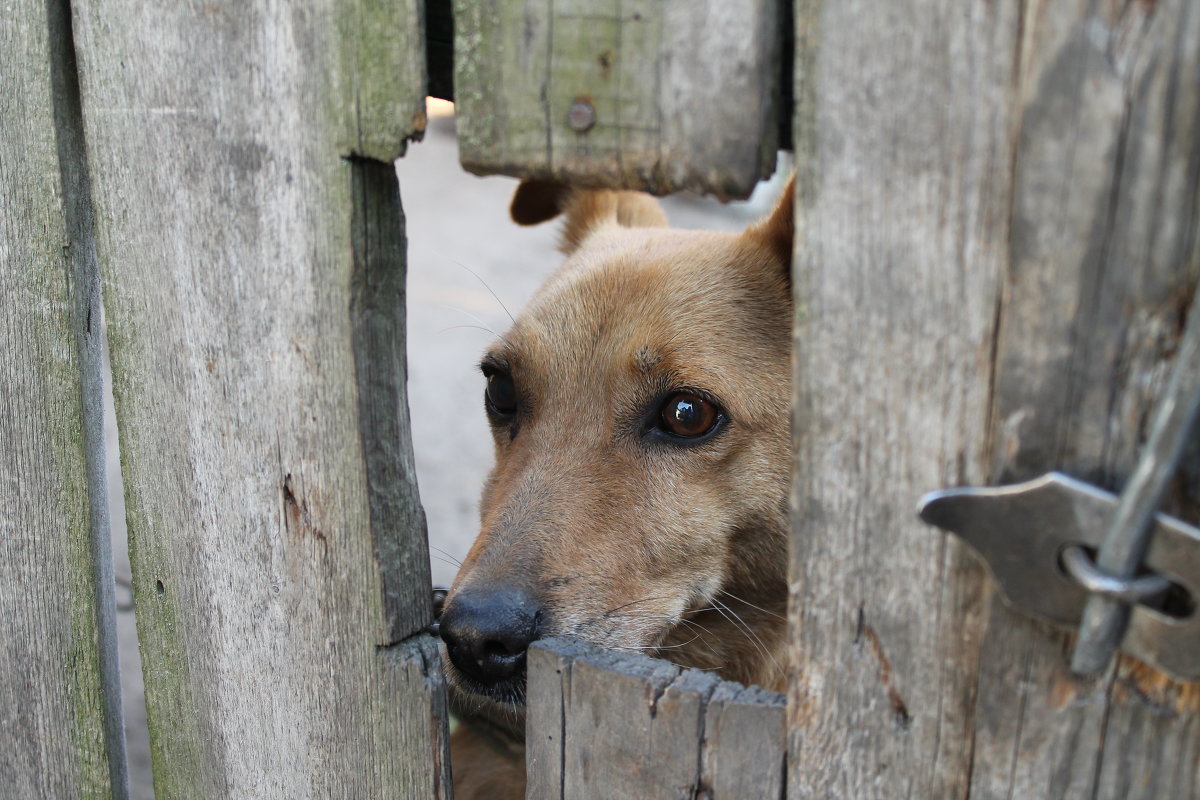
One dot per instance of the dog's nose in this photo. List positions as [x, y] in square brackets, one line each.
[488, 630]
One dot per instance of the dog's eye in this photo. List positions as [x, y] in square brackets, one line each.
[501, 394]
[688, 415]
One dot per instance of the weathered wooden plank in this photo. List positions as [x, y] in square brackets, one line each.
[602, 724]
[609, 725]
[60, 722]
[548, 668]
[680, 719]
[251, 238]
[895, 291]
[1000, 213]
[666, 95]
[745, 743]
[1103, 261]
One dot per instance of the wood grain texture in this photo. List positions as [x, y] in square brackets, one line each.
[60, 725]
[1104, 259]
[744, 744]
[250, 234]
[548, 669]
[999, 216]
[684, 97]
[602, 724]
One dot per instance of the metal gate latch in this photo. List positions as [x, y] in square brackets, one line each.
[1027, 532]
[1126, 577]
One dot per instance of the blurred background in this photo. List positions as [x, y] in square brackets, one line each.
[469, 268]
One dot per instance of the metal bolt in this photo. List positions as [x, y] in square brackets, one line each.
[582, 116]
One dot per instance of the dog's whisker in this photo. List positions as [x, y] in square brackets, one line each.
[740, 623]
[447, 554]
[475, 317]
[700, 610]
[673, 646]
[632, 603]
[655, 647]
[702, 633]
[485, 285]
[620, 615]
[473, 327]
[728, 593]
[699, 638]
[663, 618]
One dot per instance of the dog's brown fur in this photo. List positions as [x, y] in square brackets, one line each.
[629, 540]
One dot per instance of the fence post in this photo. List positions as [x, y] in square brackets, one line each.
[1000, 215]
[60, 720]
[251, 237]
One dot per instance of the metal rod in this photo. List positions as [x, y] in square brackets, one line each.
[1104, 618]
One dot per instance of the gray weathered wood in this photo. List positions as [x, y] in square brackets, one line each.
[681, 715]
[999, 206]
[251, 238]
[602, 724]
[60, 723]
[548, 668]
[744, 743]
[684, 95]
[608, 727]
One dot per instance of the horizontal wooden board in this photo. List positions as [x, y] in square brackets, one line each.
[640, 94]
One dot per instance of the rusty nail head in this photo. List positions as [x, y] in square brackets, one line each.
[582, 116]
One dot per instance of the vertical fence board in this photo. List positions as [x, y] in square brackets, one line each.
[1000, 214]
[251, 238]
[55, 738]
[609, 712]
[602, 724]
[680, 718]
[682, 97]
[744, 744]
[900, 141]
[1104, 259]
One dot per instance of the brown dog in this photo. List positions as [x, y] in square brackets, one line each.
[640, 411]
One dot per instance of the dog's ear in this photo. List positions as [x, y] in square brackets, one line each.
[585, 209]
[778, 231]
[537, 201]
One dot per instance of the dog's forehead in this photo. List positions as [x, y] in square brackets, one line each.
[623, 282]
[665, 301]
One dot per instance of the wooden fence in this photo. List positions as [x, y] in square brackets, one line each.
[998, 213]
[605, 724]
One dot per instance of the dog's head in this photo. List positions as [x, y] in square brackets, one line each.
[639, 407]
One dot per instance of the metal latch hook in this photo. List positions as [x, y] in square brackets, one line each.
[1031, 537]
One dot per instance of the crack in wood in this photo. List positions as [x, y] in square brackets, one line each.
[898, 706]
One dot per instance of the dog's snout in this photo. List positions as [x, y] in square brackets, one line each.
[488, 630]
